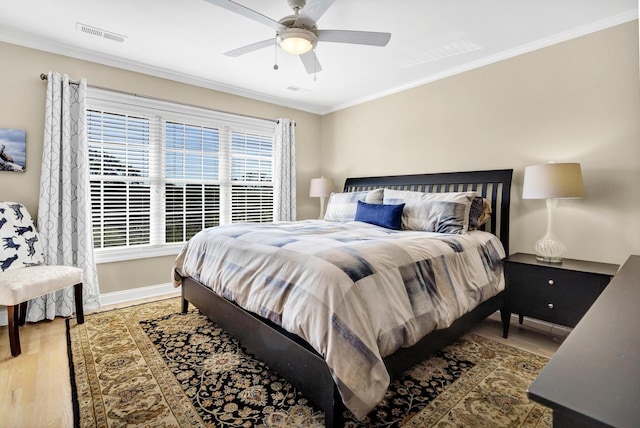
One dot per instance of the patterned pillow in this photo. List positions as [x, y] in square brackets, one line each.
[389, 216]
[342, 206]
[480, 212]
[433, 212]
[18, 236]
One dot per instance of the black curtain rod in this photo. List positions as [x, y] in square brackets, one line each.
[75, 82]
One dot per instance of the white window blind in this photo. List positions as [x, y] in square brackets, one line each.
[161, 172]
[251, 177]
[192, 185]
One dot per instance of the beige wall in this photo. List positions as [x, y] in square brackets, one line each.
[22, 107]
[577, 101]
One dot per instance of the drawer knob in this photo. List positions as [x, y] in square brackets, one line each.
[550, 306]
[551, 282]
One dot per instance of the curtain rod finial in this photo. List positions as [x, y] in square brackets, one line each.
[43, 76]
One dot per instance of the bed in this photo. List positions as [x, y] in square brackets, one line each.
[306, 364]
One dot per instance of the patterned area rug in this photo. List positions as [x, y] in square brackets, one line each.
[150, 365]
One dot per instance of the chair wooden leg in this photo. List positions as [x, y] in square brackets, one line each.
[79, 308]
[23, 313]
[13, 313]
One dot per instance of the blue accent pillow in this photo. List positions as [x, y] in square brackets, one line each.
[389, 216]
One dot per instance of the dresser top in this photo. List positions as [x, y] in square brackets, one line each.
[595, 374]
[567, 264]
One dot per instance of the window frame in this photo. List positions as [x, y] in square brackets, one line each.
[159, 113]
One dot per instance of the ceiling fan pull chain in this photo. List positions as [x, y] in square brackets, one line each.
[275, 54]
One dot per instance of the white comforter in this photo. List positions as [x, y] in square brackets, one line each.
[354, 291]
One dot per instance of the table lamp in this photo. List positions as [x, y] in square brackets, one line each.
[552, 181]
[321, 188]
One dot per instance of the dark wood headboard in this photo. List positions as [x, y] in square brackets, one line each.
[494, 185]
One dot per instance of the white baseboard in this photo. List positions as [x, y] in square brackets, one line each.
[537, 324]
[124, 296]
[543, 325]
[119, 297]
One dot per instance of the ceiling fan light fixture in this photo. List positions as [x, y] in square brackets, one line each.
[297, 41]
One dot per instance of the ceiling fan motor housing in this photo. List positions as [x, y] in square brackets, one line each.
[295, 21]
[295, 31]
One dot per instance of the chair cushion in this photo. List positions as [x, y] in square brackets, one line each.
[19, 241]
[20, 285]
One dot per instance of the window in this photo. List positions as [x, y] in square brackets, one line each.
[161, 172]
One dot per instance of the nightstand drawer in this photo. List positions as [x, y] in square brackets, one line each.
[554, 293]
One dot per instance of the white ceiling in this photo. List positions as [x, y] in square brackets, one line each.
[184, 40]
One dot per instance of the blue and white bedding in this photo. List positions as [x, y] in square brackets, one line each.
[356, 292]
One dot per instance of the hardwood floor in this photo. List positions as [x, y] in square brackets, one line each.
[532, 336]
[34, 387]
[35, 390]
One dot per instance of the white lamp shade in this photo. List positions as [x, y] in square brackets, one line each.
[553, 181]
[320, 187]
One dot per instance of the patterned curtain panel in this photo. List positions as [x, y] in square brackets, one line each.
[64, 211]
[284, 186]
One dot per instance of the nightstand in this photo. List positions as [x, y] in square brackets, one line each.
[559, 293]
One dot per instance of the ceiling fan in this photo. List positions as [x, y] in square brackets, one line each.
[298, 34]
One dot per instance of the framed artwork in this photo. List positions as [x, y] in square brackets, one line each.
[13, 150]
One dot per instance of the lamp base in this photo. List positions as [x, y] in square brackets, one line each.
[548, 259]
[550, 249]
[321, 216]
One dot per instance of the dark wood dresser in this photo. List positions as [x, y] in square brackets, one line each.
[559, 293]
[593, 380]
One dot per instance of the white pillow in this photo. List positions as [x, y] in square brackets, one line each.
[342, 206]
[433, 212]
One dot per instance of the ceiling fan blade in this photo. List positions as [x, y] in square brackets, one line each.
[357, 37]
[250, 48]
[246, 12]
[314, 9]
[311, 63]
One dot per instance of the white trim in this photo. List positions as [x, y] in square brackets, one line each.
[137, 104]
[106, 255]
[125, 296]
[542, 326]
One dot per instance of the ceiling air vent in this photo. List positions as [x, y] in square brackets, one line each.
[297, 88]
[88, 29]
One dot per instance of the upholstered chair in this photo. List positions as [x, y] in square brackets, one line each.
[23, 276]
